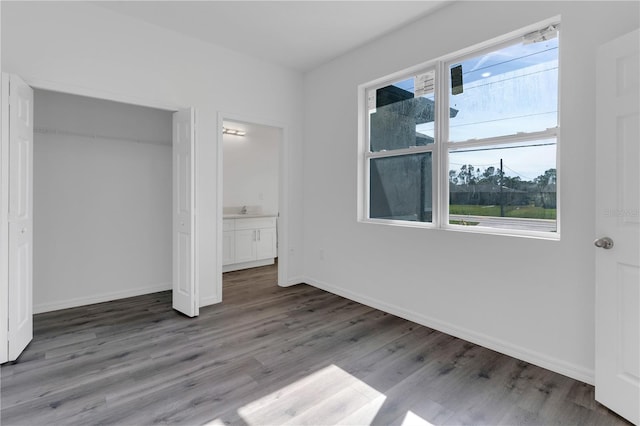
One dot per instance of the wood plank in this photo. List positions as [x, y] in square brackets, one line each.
[267, 354]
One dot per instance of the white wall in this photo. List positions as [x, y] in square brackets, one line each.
[81, 47]
[530, 298]
[102, 205]
[251, 167]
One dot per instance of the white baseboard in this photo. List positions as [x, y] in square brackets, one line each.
[246, 265]
[541, 360]
[292, 281]
[99, 298]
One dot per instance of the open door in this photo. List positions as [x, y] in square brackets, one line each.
[617, 352]
[18, 162]
[185, 292]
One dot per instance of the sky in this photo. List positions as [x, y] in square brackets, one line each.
[505, 91]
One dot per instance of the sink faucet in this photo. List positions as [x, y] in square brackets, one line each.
[243, 210]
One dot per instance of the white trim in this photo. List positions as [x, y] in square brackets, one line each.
[441, 193]
[283, 202]
[362, 174]
[403, 151]
[219, 205]
[558, 139]
[539, 235]
[73, 89]
[4, 218]
[133, 100]
[442, 147]
[557, 365]
[500, 232]
[294, 281]
[246, 265]
[404, 223]
[194, 214]
[99, 298]
[504, 140]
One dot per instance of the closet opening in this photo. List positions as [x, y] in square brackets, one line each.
[102, 190]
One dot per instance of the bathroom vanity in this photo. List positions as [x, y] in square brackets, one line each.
[249, 240]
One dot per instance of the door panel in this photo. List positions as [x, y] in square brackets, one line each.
[185, 294]
[245, 245]
[228, 247]
[4, 220]
[266, 244]
[617, 369]
[628, 294]
[20, 216]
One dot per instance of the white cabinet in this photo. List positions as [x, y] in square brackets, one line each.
[228, 247]
[245, 245]
[266, 244]
[228, 241]
[249, 242]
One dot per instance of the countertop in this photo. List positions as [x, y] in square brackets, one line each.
[248, 215]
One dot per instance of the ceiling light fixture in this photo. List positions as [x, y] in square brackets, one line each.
[236, 132]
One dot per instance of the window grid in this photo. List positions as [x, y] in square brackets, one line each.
[442, 147]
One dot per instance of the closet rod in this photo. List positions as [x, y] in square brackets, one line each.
[45, 130]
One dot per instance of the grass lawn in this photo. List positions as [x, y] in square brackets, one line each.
[528, 212]
[463, 222]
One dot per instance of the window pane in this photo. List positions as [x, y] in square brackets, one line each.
[400, 119]
[506, 186]
[504, 92]
[400, 188]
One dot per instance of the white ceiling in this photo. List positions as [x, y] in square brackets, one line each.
[296, 34]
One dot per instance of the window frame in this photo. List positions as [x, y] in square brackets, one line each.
[442, 146]
[369, 155]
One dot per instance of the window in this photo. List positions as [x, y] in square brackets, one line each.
[468, 142]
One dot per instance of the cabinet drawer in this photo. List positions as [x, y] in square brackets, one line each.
[228, 224]
[256, 222]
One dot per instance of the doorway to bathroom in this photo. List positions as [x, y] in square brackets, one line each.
[251, 196]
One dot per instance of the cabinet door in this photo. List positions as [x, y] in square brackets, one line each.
[228, 247]
[245, 245]
[266, 243]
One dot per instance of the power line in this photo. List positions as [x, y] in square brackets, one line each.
[511, 60]
[502, 119]
[507, 79]
[477, 167]
[519, 174]
[504, 147]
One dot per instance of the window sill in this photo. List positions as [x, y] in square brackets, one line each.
[538, 235]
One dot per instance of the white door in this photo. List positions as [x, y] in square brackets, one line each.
[185, 291]
[266, 243]
[617, 373]
[19, 214]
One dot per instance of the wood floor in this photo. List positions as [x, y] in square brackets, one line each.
[270, 356]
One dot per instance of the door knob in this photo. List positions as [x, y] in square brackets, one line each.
[604, 242]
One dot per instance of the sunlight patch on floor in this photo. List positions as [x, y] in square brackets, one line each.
[326, 396]
[216, 422]
[412, 419]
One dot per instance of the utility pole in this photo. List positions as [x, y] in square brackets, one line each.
[501, 194]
